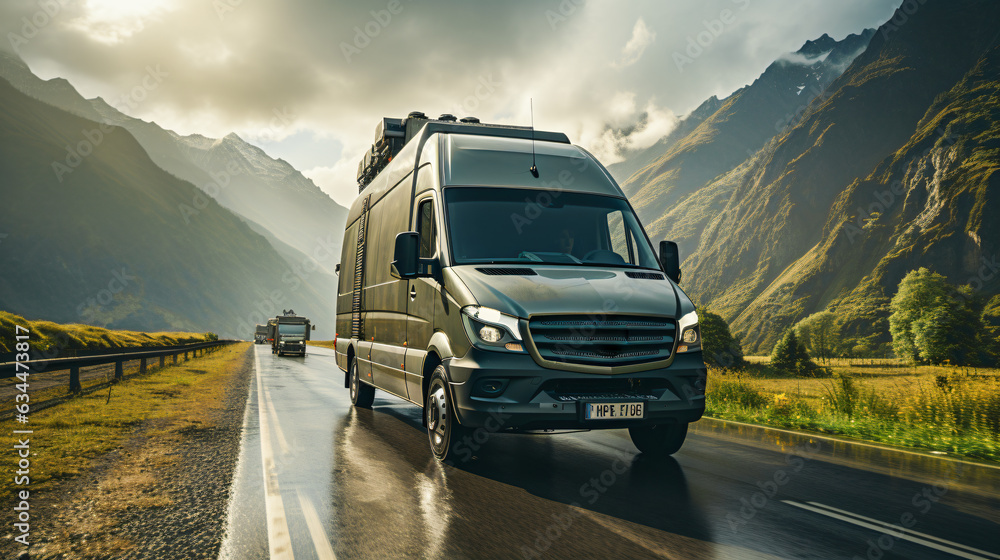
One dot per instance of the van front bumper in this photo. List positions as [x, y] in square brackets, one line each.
[537, 398]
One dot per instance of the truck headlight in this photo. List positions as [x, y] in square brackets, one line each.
[690, 333]
[490, 334]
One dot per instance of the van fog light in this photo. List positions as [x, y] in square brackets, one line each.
[691, 336]
[490, 334]
[514, 347]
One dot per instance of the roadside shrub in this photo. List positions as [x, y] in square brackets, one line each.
[736, 392]
[719, 347]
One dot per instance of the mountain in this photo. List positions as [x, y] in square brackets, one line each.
[93, 233]
[720, 135]
[891, 168]
[259, 188]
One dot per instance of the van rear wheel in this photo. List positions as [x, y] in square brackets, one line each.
[659, 439]
[443, 429]
[362, 394]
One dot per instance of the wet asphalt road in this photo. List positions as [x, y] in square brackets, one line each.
[349, 483]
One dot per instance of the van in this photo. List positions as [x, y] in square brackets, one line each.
[498, 277]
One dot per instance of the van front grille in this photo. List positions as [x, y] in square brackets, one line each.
[605, 340]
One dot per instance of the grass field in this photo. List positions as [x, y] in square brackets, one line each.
[48, 336]
[944, 409]
[67, 438]
[321, 343]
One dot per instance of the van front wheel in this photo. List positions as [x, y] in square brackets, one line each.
[659, 439]
[362, 394]
[443, 429]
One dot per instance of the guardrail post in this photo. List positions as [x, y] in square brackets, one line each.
[163, 361]
[175, 358]
[119, 371]
[185, 356]
[74, 380]
[142, 365]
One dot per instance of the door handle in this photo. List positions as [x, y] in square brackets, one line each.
[413, 292]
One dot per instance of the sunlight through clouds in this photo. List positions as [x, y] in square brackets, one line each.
[113, 21]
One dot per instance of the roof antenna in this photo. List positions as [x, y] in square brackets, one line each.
[534, 170]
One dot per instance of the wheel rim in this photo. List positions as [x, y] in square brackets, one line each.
[437, 418]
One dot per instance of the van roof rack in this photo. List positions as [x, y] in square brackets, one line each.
[391, 134]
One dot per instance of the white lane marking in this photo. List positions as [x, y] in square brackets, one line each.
[278, 539]
[282, 442]
[324, 550]
[905, 530]
[894, 532]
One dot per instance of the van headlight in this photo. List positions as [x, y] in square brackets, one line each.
[690, 333]
[491, 329]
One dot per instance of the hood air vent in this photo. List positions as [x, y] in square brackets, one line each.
[507, 271]
[643, 275]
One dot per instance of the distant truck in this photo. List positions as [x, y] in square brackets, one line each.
[288, 333]
[260, 335]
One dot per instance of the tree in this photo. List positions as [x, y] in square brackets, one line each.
[820, 334]
[933, 321]
[918, 292]
[791, 356]
[719, 346]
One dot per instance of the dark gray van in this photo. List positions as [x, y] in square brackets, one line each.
[498, 277]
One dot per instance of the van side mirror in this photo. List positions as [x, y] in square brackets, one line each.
[670, 260]
[405, 258]
[314, 327]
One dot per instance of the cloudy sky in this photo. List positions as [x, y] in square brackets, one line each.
[308, 79]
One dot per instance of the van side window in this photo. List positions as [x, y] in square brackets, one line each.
[425, 226]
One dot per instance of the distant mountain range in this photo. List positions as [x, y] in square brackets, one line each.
[141, 233]
[785, 210]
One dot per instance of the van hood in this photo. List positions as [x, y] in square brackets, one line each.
[572, 289]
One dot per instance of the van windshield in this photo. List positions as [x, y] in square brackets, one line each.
[505, 225]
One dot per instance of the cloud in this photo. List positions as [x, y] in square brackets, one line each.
[642, 37]
[602, 74]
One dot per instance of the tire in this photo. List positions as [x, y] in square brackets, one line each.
[444, 432]
[659, 439]
[362, 394]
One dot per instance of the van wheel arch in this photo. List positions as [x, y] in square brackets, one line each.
[431, 362]
[347, 373]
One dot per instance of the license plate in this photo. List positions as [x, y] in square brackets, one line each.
[614, 411]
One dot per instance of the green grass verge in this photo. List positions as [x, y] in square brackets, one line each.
[957, 413]
[69, 437]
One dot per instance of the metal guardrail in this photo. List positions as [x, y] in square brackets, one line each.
[117, 356]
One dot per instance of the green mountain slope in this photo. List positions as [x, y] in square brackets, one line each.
[101, 239]
[739, 125]
[766, 259]
[265, 190]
